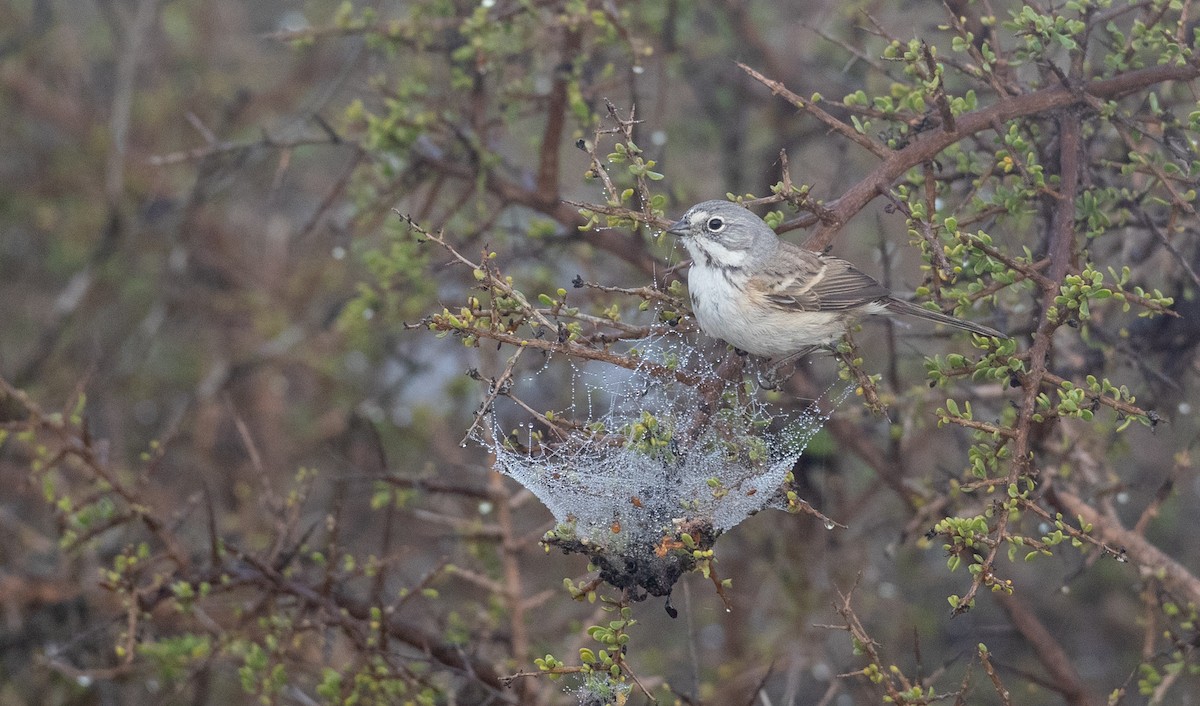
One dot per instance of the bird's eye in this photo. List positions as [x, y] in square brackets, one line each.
[715, 225]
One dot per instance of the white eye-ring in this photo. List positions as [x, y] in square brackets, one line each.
[715, 225]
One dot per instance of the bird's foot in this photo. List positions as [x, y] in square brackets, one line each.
[776, 372]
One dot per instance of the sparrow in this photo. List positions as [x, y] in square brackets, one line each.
[773, 299]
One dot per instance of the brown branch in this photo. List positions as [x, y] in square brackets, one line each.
[217, 148]
[849, 48]
[122, 106]
[866, 386]
[1062, 243]
[583, 352]
[1182, 464]
[511, 191]
[556, 115]
[1026, 270]
[1151, 561]
[1066, 528]
[435, 486]
[513, 594]
[850, 437]
[990, 670]
[1049, 378]
[493, 280]
[998, 285]
[622, 212]
[391, 29]
[942, 271]
[1175, 253]
[73, 442]
[984, 427]
[939, 96]
[536, 317]
[339, 609]
[875, 148]
[1177, 199]
[648, 293]
[865, 643]
[72, 297]
[497, 386]
[334, 196]
[932, 143]
[1065, 678]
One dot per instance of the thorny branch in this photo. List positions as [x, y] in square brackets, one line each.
[1066, 103]
[1151, 561]
[491, 280]
[1039, 102]
[231, 569]
[72, 449]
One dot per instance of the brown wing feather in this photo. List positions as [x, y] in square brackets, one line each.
[807, 281]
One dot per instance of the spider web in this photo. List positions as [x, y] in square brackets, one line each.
[636, 461]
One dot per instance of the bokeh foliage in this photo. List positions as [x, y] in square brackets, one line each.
[250, 249]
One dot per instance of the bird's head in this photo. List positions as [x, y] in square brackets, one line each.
[723, 234]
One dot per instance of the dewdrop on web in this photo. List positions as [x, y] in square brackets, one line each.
[649, 472]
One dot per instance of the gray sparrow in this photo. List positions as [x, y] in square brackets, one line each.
[770, 298]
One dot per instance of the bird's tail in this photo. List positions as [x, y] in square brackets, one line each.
[899, 306]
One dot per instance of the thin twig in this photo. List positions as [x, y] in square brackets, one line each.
[1024, 105]
[876, 148]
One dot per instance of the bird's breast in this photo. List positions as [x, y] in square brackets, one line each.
[726, 308]
[721, 305]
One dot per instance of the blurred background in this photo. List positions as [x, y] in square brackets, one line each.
[196, 232]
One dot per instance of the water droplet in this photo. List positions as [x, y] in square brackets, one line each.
[829, 524]
[822, 671]
[639, 69]
[293, 21]
[1123, 497]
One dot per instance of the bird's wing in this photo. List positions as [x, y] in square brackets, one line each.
[804, 280]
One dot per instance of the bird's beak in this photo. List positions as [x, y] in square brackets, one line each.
[679, 228]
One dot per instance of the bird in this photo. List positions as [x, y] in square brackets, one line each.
[773, 299]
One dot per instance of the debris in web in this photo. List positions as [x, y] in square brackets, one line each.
[643, 473]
